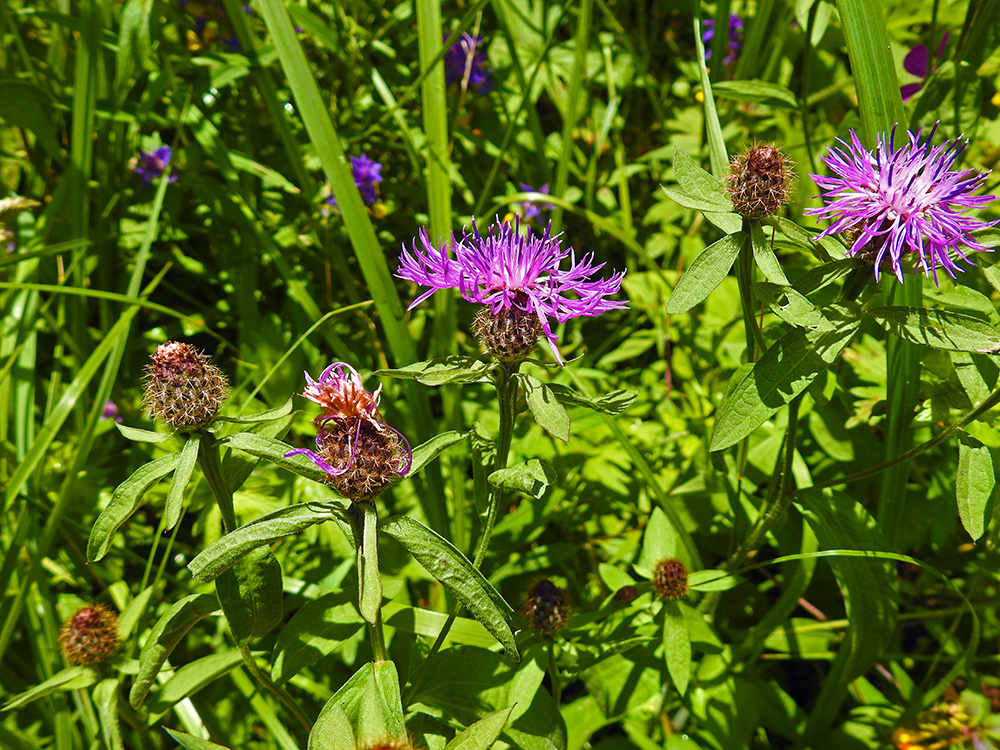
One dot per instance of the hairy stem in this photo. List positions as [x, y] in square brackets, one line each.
[211, 467]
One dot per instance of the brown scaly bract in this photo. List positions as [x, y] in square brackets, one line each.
[670, 578]
[183, 387]
[90, 636]
[759, 181]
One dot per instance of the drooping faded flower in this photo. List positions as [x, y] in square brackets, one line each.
[516, 276]
[152, 164]
[896, 202]
[735, 37]
[90, 636]
[360, 454]
[183, 387]
[532, 209]
[466, 58]
[547, 607]
[759, 181]
[367, 174]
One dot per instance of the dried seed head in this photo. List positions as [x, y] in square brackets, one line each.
[374, 454]
[90, 636]
[183, 387]
[670, 578]
[546, 608]
[759, 181]
[510, 335]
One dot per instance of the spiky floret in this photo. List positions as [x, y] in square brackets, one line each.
[183, 387]
[670, 578]
[759, 181]
[511, 270]
[896, 202]
[90, 636]
[360, 454]
[546, 608]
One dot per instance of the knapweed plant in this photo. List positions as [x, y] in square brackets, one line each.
[322, 429]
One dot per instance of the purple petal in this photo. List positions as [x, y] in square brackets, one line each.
[915, 62]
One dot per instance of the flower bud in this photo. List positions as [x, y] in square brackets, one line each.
[759, 181]
[626, 594]
[183, 387]
[509, 336]
[547, 607]
[90, 636]
[670, 578]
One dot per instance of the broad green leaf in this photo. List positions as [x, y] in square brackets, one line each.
[315, 631]
[545, 407]
[380, 714]
[454, 369]
[274, 451]
[426, 452]
[182, 475]
[697, 203]
[125, 501]
[70, 678]
[209, 564]
[264, 416]
[792, 306]
[24, 105]
[782, 373]
[728, 223]
[659, 542]
[133, 43]
[250, 594]
[190, 742]
[764, 256]
[453, 569]
[826, 249]
[191, 678]
[977, 373]
[757, 92]
[974, 485]
[705, 274]
[482, 734]
[712, 580]
[612, 403]
[129, 616]
[143, 436]
[237, 466]
[614, 577]
[168, 631]
[676, 646]
[369, 577]
[696, 183]
[334, 725]
[940, 329]
[532, 478]
[106, 700]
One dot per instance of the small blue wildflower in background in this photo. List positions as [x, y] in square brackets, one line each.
[152, 164]
[8, 236]
[530, 210]
[467, 58]
[735, 37]
[892, 203]
[917, 63]
[367, 174]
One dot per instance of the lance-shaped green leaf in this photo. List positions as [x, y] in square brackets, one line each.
[125, 501]
[209, 563]
[792, 306]
[782, 373]
[264, 416]
[168, 631]
[756, 92]
[143, 436]
[705, 274]
[676, 646]
[250, 594]
[482, 734]
[70, 678]
[545, 407]
[380, 713]
[106, 700]
[697, 188]
[274, 451]
[712, 580]
[237, 466]
[190, 742]
[191, 678]
[424, 453]
[974, 486]
[532, 478]
[185, 468]
[454, 369]
[764, 256]
[315, 631]
[940, 329]
[334, 725]
[442, 560]
[612, 403]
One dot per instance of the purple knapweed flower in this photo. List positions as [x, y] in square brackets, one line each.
[917, 63]
[898, 202]
[510, 271]
[152, 164]
[532, 209]
[366, 175]
[466, 58]
[735, 37]
[359, 452]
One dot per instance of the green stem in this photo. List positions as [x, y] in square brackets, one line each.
[554, 677]
[276, 690]
[369, 580]
[211, 467]
[744, 275]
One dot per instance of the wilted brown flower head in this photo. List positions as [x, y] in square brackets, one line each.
[759, 181]
[90, 636]
[183, 387]
[670, 578]
[546, 608]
